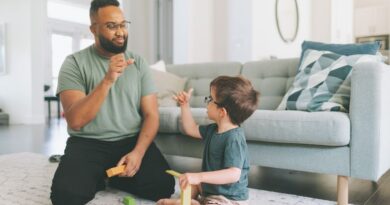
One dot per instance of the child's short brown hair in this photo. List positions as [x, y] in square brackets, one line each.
[237, 96]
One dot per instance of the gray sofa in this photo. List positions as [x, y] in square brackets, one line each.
[354, 144]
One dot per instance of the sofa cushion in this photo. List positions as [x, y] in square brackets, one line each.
[200, 117]
[299, 127]
[271, 78]
[159, 65]
[169, 117]
[200, 75]
[323, 82]
[167, 85]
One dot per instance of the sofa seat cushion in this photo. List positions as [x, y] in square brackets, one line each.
[299, 127]
[170, 120]
[200, 117]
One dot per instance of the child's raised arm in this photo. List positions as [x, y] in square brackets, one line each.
[189, 124]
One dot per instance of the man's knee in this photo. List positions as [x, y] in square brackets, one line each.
[68, 197]
[63, 192]
[164, 188]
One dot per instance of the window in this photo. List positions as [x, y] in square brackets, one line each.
[61, 47]
[68, 33]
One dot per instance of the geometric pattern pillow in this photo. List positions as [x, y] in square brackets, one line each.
[323, 82]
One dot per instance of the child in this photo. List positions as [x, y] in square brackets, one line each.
[225, 165]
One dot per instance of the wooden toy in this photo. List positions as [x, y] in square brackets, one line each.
[185, 195]
[129, 200]
[115, 170]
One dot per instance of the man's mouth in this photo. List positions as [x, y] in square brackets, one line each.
[119, 40]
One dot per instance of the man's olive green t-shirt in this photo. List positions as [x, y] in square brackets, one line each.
[120, 114]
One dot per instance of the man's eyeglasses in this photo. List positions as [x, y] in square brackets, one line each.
[115, 26]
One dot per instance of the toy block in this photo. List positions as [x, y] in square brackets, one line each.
[115, 170]
[129, 200]
[185, 194]
[173, 173]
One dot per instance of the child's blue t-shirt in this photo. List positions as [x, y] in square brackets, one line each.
[222, 151]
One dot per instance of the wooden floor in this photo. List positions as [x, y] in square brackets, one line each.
[51, 138]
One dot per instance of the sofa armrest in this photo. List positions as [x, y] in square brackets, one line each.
[370, 120]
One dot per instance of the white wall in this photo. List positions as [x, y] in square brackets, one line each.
[201, 33]
[342, 21]
[233, 30]
[21, 90]
[332, 21]
[266, 40]
[321, 20]
[240, 21]
[181, 17]
[142, 28]
[39, 53]
[221, 26]
[369, 3]
[193, 31]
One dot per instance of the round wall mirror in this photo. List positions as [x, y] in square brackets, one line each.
[287, 19]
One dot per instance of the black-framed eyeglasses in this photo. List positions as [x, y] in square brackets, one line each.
[209, 99]
[115, 26]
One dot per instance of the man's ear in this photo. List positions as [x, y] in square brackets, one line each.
[92, 28]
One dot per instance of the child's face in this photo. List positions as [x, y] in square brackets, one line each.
[212, 108]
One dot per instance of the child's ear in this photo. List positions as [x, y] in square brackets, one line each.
[223, 112]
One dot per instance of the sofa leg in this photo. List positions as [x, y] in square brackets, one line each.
[342, 190]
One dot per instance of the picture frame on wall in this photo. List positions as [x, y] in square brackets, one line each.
[384, 43]
[382, 39]
[3, 69]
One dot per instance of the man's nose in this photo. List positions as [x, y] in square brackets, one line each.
[119, 32]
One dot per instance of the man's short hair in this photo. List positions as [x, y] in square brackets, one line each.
[97, 4]
[237, 96]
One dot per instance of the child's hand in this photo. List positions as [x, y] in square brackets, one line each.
[183, 97]
[189, 179]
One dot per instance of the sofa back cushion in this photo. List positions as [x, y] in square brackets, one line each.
[271, 78]
[200, 75]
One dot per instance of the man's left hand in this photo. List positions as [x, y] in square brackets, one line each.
[132, 161]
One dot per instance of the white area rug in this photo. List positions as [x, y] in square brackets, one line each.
[25, 179]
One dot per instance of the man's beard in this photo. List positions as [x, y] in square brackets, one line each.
[109, 46]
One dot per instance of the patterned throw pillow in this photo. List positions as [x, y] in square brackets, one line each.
[323, 82]
[370, 48]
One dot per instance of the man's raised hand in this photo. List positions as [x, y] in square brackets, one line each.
[117, 65]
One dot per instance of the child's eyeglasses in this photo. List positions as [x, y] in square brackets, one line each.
[210, 99]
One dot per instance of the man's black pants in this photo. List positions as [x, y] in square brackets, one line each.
[82, 171]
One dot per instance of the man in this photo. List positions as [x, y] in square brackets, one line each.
[111, 109]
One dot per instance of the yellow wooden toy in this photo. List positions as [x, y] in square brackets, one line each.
[115, 170]
[185, 194]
